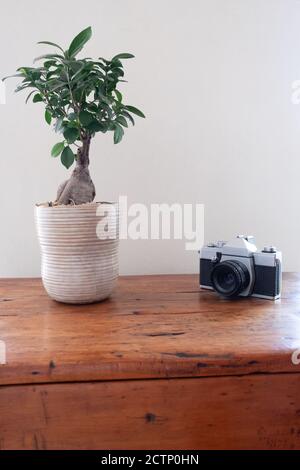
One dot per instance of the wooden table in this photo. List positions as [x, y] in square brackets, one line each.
[160, 365]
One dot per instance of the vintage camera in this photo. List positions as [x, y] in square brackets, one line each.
[237, 268]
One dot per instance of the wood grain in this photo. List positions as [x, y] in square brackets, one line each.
[152, 327]
[251, 412]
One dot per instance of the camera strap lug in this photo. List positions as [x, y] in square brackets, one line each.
[216, 259]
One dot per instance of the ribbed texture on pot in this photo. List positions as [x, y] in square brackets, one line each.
[79, 247]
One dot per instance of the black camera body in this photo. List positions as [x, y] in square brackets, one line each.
[237, 268]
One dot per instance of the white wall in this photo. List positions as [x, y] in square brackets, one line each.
[214, 78]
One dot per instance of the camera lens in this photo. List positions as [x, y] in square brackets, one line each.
[230, 278]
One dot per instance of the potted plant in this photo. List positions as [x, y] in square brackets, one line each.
[81, 99]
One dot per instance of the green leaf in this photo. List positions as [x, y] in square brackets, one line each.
[118, 72]
[30, 94]
[50, 63]
[59, 124]
[21, 87]
[72, 116]
[13, 76]
[118, 95]
[48, 56]
[92, 107]
[57, 149]
[136, 111]
[105, 99]
[37, 98]
[79, 41]
[71, 134]
[51, 44]
[96, 126]
[67, 157]
[124, 113]
[124, 55]
[76, 65]
[85, 118]
[118, 134]
[121, 120]
[116, 63]
[48, 117]
[55, 84]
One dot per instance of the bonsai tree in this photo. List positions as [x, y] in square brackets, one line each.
[81, 99]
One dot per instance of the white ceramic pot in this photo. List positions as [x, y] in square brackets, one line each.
[79, 247]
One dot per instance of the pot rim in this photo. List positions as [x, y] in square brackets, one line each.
[46, 205]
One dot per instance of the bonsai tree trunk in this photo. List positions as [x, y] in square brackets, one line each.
[79, 189]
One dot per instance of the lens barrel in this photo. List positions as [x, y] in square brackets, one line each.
[229, 278]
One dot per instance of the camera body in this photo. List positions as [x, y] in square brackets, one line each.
[237, 268]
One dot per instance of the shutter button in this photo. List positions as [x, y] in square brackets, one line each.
[269, 249]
